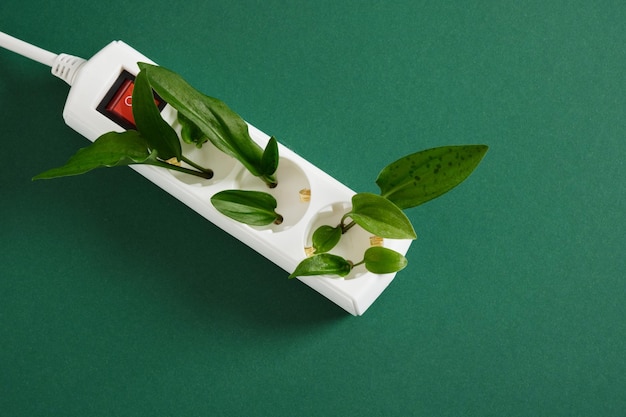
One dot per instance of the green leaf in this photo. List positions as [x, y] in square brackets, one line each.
[322, 264]
[380, 260]
[224, 128]
[269, 161]
[325, 238]
[380, 216]
[110, 149]
[190, 133]
[422, 176]
[159, 134]
[255, 208]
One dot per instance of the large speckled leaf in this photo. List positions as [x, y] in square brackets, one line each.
[422, 176]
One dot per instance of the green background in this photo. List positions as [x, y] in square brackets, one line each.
[116, 299]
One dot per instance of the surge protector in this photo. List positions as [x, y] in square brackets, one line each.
[99, 102]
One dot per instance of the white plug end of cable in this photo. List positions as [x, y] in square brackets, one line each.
[63, 66]
[66, 67]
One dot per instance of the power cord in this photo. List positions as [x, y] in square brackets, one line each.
[63, 66]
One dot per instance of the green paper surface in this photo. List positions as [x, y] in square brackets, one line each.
[513, 301]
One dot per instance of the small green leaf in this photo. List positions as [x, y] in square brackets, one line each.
[190, 133]
[255, 208]
[381, 217]
[380, 260]
[325, 238]
[224, 128]
[110, 149]
[269, 161]
[322, 264]
[425, 175]
[159, 134]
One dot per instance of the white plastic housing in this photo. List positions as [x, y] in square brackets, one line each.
[284, 244]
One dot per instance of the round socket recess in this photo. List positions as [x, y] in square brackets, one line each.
[292, 193]
[352, 244]
[208, 156]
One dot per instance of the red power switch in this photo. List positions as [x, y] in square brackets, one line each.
[117, 103]
[122, 103]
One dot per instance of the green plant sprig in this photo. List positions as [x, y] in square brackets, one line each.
[213, 118]
[378, 260]
[373, 213]
[116, 149]
[408, 182]
[153, 143]
[156, 143]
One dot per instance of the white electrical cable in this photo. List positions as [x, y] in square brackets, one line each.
[63, 66]
[26, 49]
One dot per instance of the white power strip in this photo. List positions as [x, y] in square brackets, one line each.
[98, 102]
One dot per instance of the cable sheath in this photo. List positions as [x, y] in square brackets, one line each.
[26, 49]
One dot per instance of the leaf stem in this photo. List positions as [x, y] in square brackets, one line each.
[196, 166]
[206, 174]
[358, 263]
[270, 180]
[346, 227]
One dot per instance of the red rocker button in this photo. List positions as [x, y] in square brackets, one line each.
[117, 104]
[122, 103]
